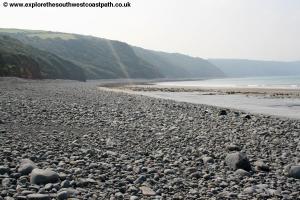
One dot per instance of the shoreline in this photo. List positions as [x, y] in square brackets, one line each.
[284, 103]
[274, 92]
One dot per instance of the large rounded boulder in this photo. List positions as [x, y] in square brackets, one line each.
[294, 171]
[26, 167]
[40, 176]
[238, 160]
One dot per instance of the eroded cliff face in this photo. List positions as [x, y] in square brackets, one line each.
[20, 66]
[21, 60]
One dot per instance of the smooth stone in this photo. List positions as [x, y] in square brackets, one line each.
[133, 198]
[133, 190]
[4, 170]
[26, 167]
[207, 159]
[62, 195]
[147, 191]
[38, 197]
[65, 184]
[40, 176]
[6, 182]
[23, 180]
[62, 176]
[119, 196]
[224, 194]
[9, 198]
[193, 191]
[15, 175]
[196, 175]
[176, 181]
[238, 160]
[260, 165]
[190, 170]
[82, 182]
[295, 171]
[70, 191]
[286, 169]
[169, 171]
[273, 192]
[48, 186]
[27, 192]
[140, 179]
[241, 172]
[223, 112]
[21, 198]
[233, 147]
[42, 191]
[260, 188]
[246, 116]
[249, 190]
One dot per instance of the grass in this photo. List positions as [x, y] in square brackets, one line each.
[40, 34]
[13, 30]
[50, 35]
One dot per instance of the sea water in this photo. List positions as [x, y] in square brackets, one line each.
[281, 82]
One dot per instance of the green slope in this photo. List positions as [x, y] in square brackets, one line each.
[174, 65]
[102, 58]
[18, 59]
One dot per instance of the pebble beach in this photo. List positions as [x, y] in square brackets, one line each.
[72, 140]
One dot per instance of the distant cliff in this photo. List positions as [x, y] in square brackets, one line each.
[174, 65]
[20, 60]
[101, 58]
[243, 68]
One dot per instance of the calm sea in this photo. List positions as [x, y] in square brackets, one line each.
[286, 82]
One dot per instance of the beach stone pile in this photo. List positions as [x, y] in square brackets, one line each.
[71, 140]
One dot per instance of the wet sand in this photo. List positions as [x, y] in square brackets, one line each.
[273, 102]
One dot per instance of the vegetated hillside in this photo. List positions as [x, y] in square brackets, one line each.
[243, 68]
[20, 60]
[174, 65]
[165, 67]
[102, 58]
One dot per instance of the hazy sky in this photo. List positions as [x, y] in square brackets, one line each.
[253, 29]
